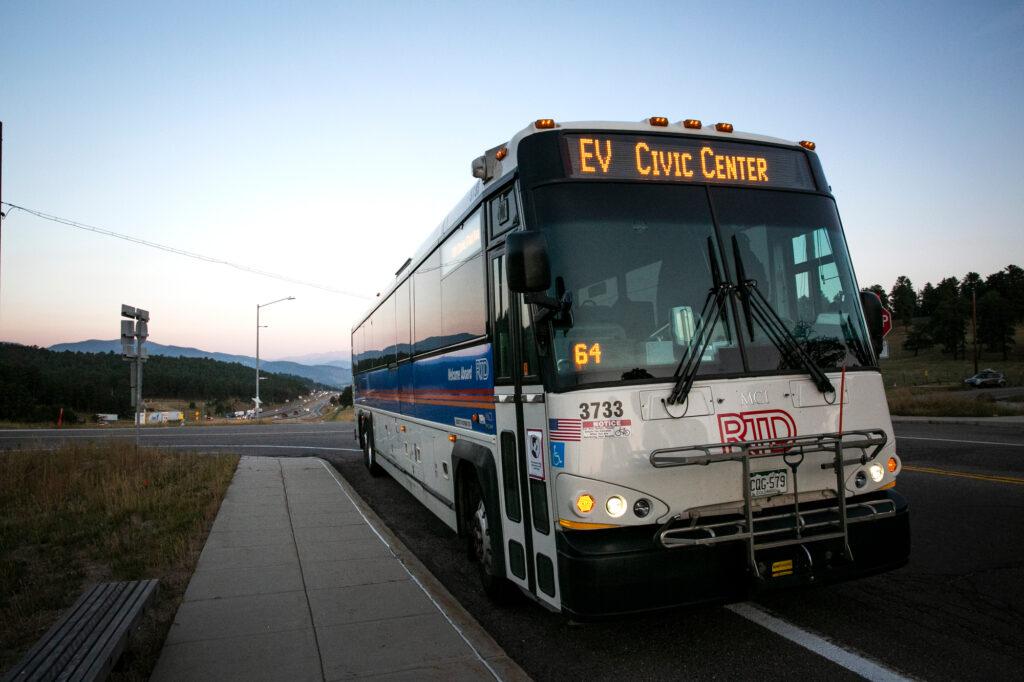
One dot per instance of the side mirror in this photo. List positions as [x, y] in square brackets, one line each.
[873, 316]
[526, 257]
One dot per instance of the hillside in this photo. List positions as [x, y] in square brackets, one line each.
[35, 383]
[337, 374]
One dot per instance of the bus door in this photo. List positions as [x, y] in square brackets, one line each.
[522, 457]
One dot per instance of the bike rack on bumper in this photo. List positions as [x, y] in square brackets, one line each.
[773, 528]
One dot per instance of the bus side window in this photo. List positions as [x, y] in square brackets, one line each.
[500, 313]
[504, 213]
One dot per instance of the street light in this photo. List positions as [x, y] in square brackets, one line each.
[256, 412]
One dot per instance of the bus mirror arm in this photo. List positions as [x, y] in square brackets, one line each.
[550, 307]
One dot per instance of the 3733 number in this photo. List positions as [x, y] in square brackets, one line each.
[605, 410]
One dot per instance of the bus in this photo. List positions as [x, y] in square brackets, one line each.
[634, 370]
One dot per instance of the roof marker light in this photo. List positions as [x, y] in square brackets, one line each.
[807, 144]
[544, 123]
[660, 121]
[723, 127]
[501, 153]
[692, 123]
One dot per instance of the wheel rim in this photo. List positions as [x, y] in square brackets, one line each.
[481, 536]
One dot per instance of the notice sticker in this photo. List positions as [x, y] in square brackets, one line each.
[558, 454]
[607, 428]
[535, 453]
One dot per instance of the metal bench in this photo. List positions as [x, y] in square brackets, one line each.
[87, 641]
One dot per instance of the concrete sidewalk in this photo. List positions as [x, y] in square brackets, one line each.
[299, 580]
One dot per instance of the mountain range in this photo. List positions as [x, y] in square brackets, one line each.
[337, 373]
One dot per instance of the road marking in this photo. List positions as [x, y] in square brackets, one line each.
[414, 578]
[279, 447]
[853, 662]
[963, 474]
[953, 440]
[68, 435]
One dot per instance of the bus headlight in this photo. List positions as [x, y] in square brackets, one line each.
[615, 506]
[876, 473]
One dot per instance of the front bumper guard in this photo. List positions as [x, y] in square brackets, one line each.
[774, 528]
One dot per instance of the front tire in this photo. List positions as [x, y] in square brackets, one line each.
[480, 547]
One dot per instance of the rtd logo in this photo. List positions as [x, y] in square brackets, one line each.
[756, 425]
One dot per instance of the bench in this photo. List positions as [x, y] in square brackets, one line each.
[87, 641]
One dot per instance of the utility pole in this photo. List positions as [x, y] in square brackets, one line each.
[974, 324]
[256, 400]
[2, 214]
[134, 332]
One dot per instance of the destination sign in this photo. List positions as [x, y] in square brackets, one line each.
[680, 159]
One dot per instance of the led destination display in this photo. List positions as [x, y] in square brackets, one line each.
[680, 159]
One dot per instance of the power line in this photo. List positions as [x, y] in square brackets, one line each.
[180, 252]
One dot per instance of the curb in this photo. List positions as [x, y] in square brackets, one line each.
[478, 638]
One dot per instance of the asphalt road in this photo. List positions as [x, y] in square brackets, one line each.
[954, 612]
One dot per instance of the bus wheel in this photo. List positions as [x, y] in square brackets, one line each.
[369, 458]
[479, 545]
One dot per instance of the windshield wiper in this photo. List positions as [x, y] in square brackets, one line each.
[756, 307]
[714, 308]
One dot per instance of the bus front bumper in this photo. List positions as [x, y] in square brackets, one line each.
[626, 570]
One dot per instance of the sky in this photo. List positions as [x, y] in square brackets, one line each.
[324, 141]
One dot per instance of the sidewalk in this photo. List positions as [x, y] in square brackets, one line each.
[299, 580]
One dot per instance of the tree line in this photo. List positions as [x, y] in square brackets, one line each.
[940, 314]
[36, 383]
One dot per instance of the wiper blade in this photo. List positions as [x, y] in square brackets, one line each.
[714, 307]
[757, 308]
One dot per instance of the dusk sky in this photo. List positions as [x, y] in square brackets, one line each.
[323, 141]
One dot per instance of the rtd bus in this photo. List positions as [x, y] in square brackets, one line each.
[634, 369]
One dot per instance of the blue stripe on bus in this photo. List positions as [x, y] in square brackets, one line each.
[448, 389]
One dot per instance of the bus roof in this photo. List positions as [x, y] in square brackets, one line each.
[506, 165]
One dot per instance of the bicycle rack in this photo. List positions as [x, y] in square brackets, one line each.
[775, 528]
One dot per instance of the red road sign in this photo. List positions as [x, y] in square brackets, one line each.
[886, 321]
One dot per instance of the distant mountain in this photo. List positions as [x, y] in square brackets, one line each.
[334, 375]
[334, 358]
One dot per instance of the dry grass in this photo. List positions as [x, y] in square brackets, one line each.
[340, 414]
[96, 512]
[912, 402]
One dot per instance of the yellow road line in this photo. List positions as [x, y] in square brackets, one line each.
[963, 474]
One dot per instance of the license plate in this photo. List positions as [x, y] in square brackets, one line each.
[768, 483]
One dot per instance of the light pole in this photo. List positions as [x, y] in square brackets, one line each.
[256, 412]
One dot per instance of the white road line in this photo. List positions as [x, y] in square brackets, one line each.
[853, 662]
[953, 440]
[279, 447]
[67, 435]
[414, 578]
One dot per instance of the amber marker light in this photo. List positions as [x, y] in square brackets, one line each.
[693, 123]
[452, 437]
[544, 123]
[807, 144]
[658, 121]
[583, 525]
[891, 465]
[501, 153]
[585, 503]
[723, 127]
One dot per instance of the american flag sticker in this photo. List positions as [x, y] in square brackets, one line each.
[565, 430]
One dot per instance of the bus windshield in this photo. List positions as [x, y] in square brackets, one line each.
[638, 262]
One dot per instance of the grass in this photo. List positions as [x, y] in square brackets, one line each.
[339, 414]
[932, 367]
[97, 512]
[911, 402]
